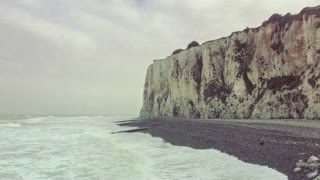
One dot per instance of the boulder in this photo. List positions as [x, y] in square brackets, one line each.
[302, 165]
[314, 166]
[312, 174]
[313, 159]
[297, 170]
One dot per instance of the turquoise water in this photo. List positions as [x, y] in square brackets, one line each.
[85, 148]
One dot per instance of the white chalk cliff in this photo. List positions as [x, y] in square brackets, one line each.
[271, 71]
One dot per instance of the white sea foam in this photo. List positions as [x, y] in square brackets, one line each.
[84, 148]
[34, 120]
[11, 125]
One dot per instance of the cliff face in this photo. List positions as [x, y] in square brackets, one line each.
[271, 71]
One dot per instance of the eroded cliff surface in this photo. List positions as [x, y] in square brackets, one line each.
[271, 71]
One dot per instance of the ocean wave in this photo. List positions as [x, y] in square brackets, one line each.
[12, 125]
[34, 120]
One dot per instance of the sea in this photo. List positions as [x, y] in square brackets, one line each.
[86, 147]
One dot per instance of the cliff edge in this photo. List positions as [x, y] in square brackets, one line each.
[271, 71]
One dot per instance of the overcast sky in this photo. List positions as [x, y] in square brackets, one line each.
[91, 56]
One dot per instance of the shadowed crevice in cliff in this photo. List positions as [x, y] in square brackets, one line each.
[281, 83]
[175, 111]
[249, 85]
[260, 93]
[151, 100]
[277, 46]
[177, 70]
[252, 107]
[297, 102]
[245, 55]
[216, 89]
[197, 72]
[163, 96]
[313, 81]
[194, 113]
